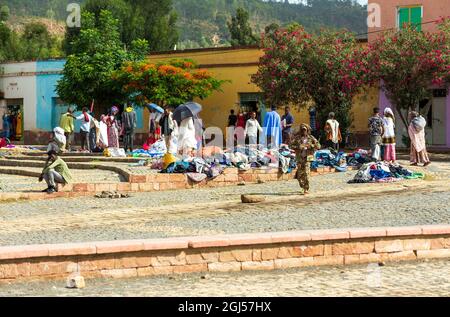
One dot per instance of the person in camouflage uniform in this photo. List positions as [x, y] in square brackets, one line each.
[304, 145]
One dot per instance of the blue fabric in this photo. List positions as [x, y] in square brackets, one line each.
[326, 158]
[272, 126]
[379, 174]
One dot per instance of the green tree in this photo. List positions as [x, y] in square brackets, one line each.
[37, 42]
[409, 62]
[97, 53]
[329, 69]
[240, 29]
[4, 13]
[166, 83]
[153, 20]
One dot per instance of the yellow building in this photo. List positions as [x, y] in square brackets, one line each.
[238, 65]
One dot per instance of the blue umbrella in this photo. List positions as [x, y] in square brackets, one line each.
[187, 110]
[155, 107]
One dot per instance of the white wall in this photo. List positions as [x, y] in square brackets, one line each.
[18, 81]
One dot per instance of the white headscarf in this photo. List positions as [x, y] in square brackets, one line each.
[389, 111]
[59, 135]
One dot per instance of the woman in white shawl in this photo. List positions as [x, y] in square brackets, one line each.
[57, 141]
[187, 142]
[416, 133]
[389, 136]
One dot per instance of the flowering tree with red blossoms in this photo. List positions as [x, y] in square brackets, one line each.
[409, 62]
[329, 69]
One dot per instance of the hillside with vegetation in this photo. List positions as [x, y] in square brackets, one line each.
[182, 23]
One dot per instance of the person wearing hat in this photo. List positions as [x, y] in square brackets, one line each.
[304, 145]
[55, 172]
[67, 124]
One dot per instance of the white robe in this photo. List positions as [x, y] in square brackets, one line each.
[186, 135]
[334, 130]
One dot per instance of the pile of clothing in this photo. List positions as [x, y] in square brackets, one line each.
[359, 158]
[156, 150]
[215, 160]
[383, 172]
[329, 158]
[197, 169]
[247, 157]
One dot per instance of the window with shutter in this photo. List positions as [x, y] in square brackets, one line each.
[410, 15]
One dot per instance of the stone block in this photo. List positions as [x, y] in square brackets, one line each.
[145, 271]
[232, 178]
[9, 271]
[436, 229]
[416, 244]
[258, 266]
[143, 261]
[440, 243]
[163, 270]
[433, 254]
[308, 250]
[352, 259]
[125, 263]
[358, 233]
[119, 273]
[329, 260]
[370, 258]
[97, 264]
[269, 253]
[210, 257]
[348, 248]
[192, 268]
[293, 263]
[51, 268]
[224, 267]
[398, 256]
[80, 188]
[226, 256]
[388, 246]
[138, 179]
[256, 255]
[243, 255]
[194, 259]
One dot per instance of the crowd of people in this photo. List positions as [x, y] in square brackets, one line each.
[383, 140]
[186, 136]
[95, 135]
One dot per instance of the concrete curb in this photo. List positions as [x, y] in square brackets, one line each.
[226, 253]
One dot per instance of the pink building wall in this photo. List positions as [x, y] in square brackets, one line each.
[432, 10]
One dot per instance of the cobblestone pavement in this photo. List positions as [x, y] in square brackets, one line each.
[429, 278]
[333, 204]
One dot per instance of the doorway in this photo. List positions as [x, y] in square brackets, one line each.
[14, 116]
[439, 115]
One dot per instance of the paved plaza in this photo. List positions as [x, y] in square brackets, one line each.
[210, 211]
[400, 279]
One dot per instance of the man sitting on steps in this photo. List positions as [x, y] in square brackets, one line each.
[55, 172]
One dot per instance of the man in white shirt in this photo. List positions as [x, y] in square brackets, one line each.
[252, 128]
[85, 128]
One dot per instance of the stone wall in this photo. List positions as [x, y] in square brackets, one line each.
[151, 182]
[227, 253]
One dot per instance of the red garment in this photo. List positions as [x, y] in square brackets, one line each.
[86, 117]
[241, 121]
